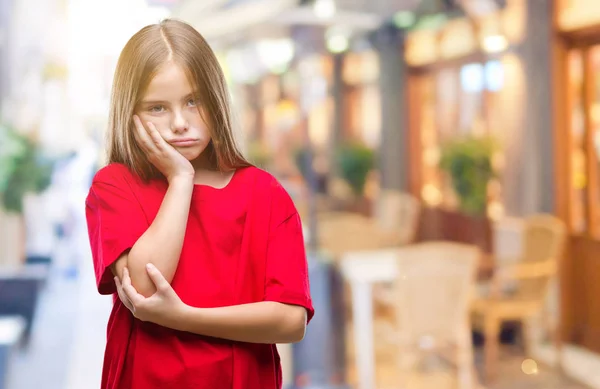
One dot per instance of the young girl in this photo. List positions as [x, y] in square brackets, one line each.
[204, 251]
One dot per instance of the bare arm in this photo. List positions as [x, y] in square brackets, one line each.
[262, 322]
[161, 244]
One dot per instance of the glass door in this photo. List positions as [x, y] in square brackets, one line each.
[593, 137]
[584, 134]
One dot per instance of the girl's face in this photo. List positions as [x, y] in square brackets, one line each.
[169, 104]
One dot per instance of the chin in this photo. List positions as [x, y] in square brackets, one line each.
[190, 155]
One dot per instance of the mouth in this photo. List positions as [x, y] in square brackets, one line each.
[187, 142]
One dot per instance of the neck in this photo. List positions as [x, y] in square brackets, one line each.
[204, 162]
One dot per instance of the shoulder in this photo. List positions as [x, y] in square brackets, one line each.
[273, 193]
[265, 182]
[115, 174]
[255, 174]
[116, 182]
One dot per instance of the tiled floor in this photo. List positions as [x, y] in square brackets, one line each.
[511, 375]
[511, 370]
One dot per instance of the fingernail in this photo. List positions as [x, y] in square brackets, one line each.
[149, 266]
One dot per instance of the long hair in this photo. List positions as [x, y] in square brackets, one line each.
[142, 56]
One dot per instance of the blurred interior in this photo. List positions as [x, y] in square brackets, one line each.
[444, 156]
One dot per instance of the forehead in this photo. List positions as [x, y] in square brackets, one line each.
[170, 81]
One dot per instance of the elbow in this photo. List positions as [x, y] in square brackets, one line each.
[145, 290]
[298, 334]
[142, 282]
[295, 327]
[139, 277]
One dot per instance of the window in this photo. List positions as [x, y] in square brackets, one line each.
[453, 102]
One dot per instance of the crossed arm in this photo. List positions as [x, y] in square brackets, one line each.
[162, 242]
[261, 322]
[143, 277]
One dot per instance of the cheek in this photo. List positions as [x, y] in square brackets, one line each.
[160, 122]
[198, 124]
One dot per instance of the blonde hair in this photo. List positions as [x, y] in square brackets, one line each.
[139, 61]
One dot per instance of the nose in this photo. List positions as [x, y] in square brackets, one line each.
[180, 123]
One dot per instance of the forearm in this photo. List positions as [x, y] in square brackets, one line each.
[262, 322]
[161, 244]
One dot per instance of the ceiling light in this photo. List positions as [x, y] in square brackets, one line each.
[276, 54]
[324, 9]
[495, 43]
[337, 43]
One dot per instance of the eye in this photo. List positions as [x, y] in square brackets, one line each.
[156, 108]
[192, 103]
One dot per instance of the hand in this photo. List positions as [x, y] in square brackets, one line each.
[164, 307]
[161, 154]
[122, 296]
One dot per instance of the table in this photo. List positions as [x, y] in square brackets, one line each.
[362, 269]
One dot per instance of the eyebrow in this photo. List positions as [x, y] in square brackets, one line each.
[154, 102]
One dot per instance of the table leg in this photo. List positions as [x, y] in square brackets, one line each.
[362, 303]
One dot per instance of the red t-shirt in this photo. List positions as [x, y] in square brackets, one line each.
[243, 244]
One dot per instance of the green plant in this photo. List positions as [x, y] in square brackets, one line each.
[23, 168]
[10, 148]
[468, 162]
[355, 161]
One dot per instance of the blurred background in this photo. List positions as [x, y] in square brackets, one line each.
[444, 156]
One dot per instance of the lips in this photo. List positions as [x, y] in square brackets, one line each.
[184, 142]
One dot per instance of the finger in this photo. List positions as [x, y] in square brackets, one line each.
[129, 290]
[139, 127]
[119, 287]
[126, 278]
[155, 135]
[157, 278]
[141, 134]
[133, 296]
[121, 293]
[122, 296]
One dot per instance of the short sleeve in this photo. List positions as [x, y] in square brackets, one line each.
[287, 270]
[115, 222]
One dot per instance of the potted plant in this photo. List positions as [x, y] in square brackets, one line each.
[468, 163]
[24, 169]
[355, 161]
